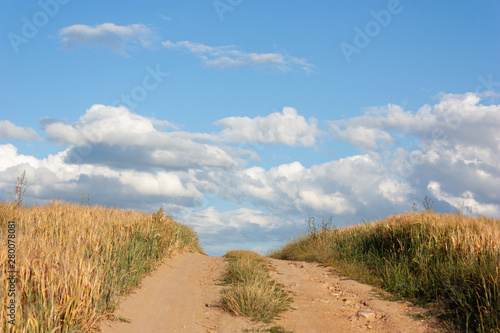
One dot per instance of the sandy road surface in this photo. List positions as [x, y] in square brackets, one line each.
[175, 298]
[327, 302]
[180, 297]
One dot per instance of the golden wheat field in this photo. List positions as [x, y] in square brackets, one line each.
[72, 261]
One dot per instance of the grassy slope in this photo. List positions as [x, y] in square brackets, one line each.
[447, 259]
[73, 261]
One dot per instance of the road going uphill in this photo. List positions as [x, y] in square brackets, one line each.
[183, 294]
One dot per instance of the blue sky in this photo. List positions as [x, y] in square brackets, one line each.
[243, 117]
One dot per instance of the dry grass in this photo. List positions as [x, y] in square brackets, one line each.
[252, 292]
[73, 261]
[447, 259]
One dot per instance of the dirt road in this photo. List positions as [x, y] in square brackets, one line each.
[182, 296]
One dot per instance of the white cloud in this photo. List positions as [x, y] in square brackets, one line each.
[459, 146]
[212, 221]
[228, 57]
[115, 37]
[459, 168]
[118, 137]
[367, 138]
[159, 183]
[346, 187]
[124, 159]
[64, 133]
[167, 18]
[10, 131]
[395, 192]
[456, 141]
[456, 119]
[464, 201]
[286, 127]
[10, 158]
[316, 201]
[106, 124]
[372, 129]
[52, 175]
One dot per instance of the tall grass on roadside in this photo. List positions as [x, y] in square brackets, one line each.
[252, 292]
[73, 261]
[448, 259]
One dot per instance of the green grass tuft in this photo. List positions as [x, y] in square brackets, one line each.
[251, 290]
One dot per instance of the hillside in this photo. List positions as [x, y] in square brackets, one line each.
[73, 261]
[448, 262]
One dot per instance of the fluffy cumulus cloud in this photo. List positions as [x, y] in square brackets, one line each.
[123, 159]
[456, 157]
[464, 201]
[228, 57]
[346, 188]
[10, 131]
[117, 137]
[449, 151]
[115, 37]
[53, 177]
[459, 118]
[113, 151]
[10, 158]
[286, 127]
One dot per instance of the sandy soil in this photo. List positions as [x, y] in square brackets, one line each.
[327, 302]
[182, 296]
